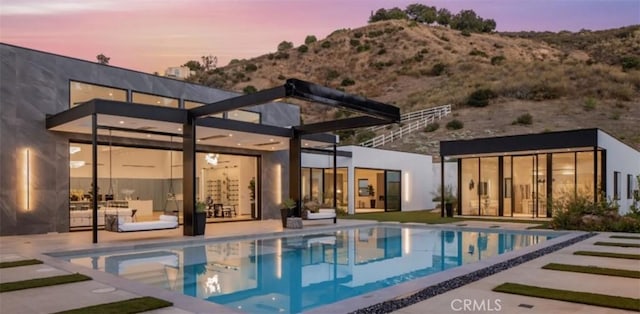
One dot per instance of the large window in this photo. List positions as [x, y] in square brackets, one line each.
[341, 188]
[488, 186]
[584, 175]
[617, 185]
[150, 180]
[470, 202]
[243, 115]
[629, 186]
[81, 92]
[192, 104]
[155, 100]
[564, 176]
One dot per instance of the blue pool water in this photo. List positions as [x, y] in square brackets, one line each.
[298, 273]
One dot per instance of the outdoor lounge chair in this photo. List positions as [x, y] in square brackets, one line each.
[323, 213]
[114, 224]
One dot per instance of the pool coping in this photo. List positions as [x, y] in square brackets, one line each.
[372, 299]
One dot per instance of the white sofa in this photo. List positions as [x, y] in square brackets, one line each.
[323, 213]
[84, 218]
[114, 223]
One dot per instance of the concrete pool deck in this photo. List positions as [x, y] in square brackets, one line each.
[99, 290]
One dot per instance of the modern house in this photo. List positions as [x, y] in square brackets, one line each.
[157, 145]
[522, 175]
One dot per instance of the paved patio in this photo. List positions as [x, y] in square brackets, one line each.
[108, 288]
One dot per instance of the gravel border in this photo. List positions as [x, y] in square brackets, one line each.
[457, 282]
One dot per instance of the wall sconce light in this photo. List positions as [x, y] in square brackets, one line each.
[407, 187]
[26, 180]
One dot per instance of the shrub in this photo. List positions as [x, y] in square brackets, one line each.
[347, 82]
[234, 61]
[498, 46]
[332, 74]
[497, 60]
[281, 55]
[590, 104]
[354, 42]
[373, 34]
[303, 49]
[476, 52]
[249, 89]
[250, 67]
[630, 63]
[357, 34]
[524, 119]
[418, 57]
[362, 48]
[582, 213]
[326, 44]
[438, 69]
[310, 39]
[365, 135]
[465, 33]
[285, 45]
[480, 98]
[432, 127]
[382, 51]
[281, 77]
[455, 124]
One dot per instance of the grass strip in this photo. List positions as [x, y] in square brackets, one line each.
[42, 282]
[596, 299]
[593, 270]
[618, 244]
[136, 305]
[25, 262]
[624, 237]
[607, 254]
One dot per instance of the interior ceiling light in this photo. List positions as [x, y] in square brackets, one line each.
[76, 163]
[121, 122]
[212, 158]
[74, 149]
[230, 134]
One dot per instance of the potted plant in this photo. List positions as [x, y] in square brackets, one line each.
[286, 210]
[252, 196]
[372, 194]
[200, 218]
[450, 201]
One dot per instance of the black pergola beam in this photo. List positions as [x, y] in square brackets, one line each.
[257, 98]
[335, 98]
[75, 113]
[342, 124]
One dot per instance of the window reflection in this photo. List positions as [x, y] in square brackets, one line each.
[148, 99]
[81, 92]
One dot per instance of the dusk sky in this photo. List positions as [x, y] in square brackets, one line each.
[150, 35]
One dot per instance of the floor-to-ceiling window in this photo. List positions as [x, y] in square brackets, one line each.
[377, 190]
[341, 187]
[524, 181]
[469, 201]
[507, 189]
[150, 181]
[489, 186]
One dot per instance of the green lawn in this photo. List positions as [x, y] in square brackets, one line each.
[593, 270]
[42, 282]
[20, 263]
[607, 254]
[618, 244]
[596, 299]
[136, 305]
[430, 217]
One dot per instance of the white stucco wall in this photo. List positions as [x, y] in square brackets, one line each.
[621, 158]
[416, 172]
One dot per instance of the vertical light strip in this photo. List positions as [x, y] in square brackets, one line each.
[279, 258]
[27, 180]
[407, 187]
[278, 183]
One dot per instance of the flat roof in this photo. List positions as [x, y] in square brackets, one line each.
[520, 143]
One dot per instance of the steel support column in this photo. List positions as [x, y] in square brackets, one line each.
[442, 188]
[295, 150]
[335, 176]
[189, 175]
[94, 176]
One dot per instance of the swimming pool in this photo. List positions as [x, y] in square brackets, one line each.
[301, 272]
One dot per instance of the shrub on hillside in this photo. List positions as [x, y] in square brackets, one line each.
[354, 42]
[332, 74]
[303, 49]
[326, 44]
[476, 52]
[365, 135]
[438, 69]
[455, 124]
[357, 34]
[630, 63]
[465, 33]
[250, 67]
[481, 97]
[347, 82]
[249, 89]
[525, 119]
[432, 127]
[590, 104]
[497, 60]
[281, 55]
[310, 39]
[281, 77]
[285, 45]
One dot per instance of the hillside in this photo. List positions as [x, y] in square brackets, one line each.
[563, 82]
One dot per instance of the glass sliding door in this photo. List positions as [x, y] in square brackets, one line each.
[507, 189]
[393, 190]
[469, 200]
[523, 185]
[488, 186]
